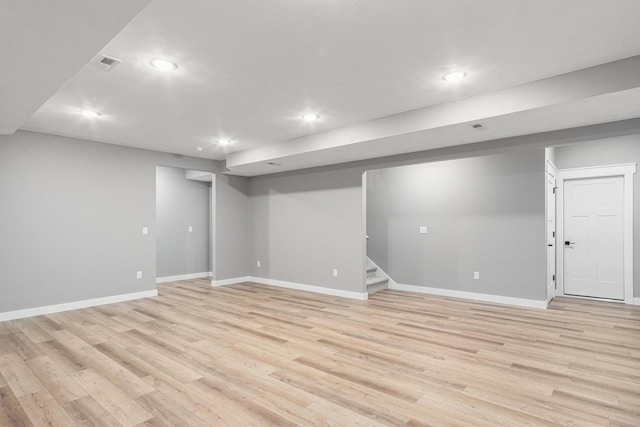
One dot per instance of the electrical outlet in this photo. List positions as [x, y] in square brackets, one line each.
[335, 272]
[191, 229]
[258, 264]
[476, 275]
[423, 229]
[145, 230]
[139, 275]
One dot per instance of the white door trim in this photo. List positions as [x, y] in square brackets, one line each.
[552, 170]
[627, 171]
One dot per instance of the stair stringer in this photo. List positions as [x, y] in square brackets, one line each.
[392, 283]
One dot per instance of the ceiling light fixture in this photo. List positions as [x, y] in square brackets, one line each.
[90, 114]
[224, 141]
[163, 64]
[456, 76]
[199, 149]
[310, 117]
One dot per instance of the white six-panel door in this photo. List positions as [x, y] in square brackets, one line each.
[593, 243]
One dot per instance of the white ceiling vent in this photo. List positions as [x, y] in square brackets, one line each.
[107, 63]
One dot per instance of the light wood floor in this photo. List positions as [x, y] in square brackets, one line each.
[257, 355]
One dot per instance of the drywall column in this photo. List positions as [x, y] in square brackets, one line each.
[231, 219]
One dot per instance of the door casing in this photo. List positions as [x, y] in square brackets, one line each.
[550, 175]
[626, 171]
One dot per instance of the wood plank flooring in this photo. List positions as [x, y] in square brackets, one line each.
[253, 355]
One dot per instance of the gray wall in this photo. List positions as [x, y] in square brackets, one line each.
[71, 214]
[181, 203]
[482, 214]
[231, 238]
[303, 225]
[608, 152]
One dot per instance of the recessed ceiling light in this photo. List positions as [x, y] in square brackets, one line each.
[456, 76]
[224, 141]
[163, 64]
[199, 149]
[310, 117]
[90, 114]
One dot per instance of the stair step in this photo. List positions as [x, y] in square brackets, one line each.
[375, 284]
[371, 269]
[376, 280]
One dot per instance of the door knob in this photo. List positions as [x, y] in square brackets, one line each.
[550, 244]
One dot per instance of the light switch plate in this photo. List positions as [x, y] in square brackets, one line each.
[476, 275]
[145, 230]
[335, 272]
[191, 229]
[139, 275]
[423, 229]
[258, 264]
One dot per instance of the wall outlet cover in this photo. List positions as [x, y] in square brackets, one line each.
[335, 272]
[423, 229]
[139, 275]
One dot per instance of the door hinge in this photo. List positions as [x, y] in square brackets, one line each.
[553, 234]
[555, 189]
[554, 278]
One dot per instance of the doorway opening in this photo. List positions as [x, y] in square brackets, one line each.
[184, 224]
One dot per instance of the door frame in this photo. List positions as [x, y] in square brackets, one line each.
[626, 170]
[552, 170]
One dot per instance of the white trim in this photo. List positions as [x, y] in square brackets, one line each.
[626, 170]
[391, 281]
[598, 171]
[520, 302]
[179, 277]
[67, 306]
[551, 170]
[233, 281]
[310, 288]
[636, 301]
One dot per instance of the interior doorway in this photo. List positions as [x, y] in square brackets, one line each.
[184, 224]
[595, 232]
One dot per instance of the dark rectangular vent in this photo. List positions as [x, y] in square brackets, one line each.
[107, 63]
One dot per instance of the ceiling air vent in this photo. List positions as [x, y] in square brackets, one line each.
[108, 63]
[478, 126]
[274, 164]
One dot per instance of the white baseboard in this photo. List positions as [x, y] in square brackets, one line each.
[233, 281]
[190, 276]
[636, 301]
[57, 308]
[310, 288]
[521, 302]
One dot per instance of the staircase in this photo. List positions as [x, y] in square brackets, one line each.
[376, 281]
